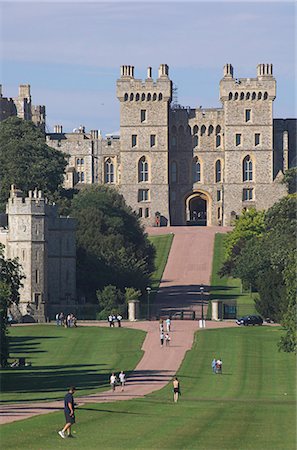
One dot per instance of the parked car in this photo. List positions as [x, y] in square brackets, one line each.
[250, 320]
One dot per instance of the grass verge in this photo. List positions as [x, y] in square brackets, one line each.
[162, 245]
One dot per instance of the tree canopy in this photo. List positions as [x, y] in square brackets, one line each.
[27, 161]
[112, 248]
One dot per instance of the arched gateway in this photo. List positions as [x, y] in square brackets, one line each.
[198, 209]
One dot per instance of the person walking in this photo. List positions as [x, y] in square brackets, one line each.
[69, 413]
[214, 365]
[176, 389]
[119, 318]
[219, 366]
[122, 378]
[113, 381]
[168, 324]
[167, 339]
[162, 338]
[110, 321]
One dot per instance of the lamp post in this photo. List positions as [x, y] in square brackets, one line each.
[148, 290]
[201, 300]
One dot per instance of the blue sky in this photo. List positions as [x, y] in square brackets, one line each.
[71, 52]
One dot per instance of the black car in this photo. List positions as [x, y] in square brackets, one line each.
[250, 320]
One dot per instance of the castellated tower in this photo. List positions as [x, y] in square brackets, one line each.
[248, 128]
[45, 246]
[144, 116]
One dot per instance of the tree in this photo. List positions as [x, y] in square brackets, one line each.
[112, 248]
[290, 180]
[27, 161]
[10, 281]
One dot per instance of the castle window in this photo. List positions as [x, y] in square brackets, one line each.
[131, 97]
[37, 276]
[152, 140]
[173, 141]
[259, 95]
[242, 96]
[254, 96]
[230, 95]
[219, 213]
[210, 130]
[82, 177]
[137, 97]
[203, 130]
[154, 96]
[140, 213]
[196, 170]
[218, 140]
[247, 115]
[142, 97]
[218, 169]
[219, 195]
[143, 195]
[160, 97]
[195, 141]
[218, 129]
[236, 96]
[248, 96]
[237, 139]
[149, 96]
[78, 161]
[82, 161]
[195, 129]
[265, 97]
[143, 170]
[126, 97]
[247, 195]
[146, 212]
[143, 115]
[109, 142]
[109, 171]
[247, 169]
[173, 172]
[134, 140]
[257, 139]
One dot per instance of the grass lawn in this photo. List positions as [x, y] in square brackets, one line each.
[228, 288]
[83, 357]
[162, 245]
[250, 406]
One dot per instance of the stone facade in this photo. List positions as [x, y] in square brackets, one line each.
[45, 247]
[21, 106]
[192, 166]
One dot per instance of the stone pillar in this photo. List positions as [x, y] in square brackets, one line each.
[214, 310]
[133, 310]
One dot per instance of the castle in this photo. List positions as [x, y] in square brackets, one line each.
[44, 244]
[184, 166]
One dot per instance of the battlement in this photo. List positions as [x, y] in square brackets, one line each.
[130, 89]
[35, 203]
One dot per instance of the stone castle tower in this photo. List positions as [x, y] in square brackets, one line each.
[45, 247]
[144, 116]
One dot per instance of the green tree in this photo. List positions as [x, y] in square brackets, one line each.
[290, 180]
[10, 281]
[112, 248]
[27, 161]
[111, 301]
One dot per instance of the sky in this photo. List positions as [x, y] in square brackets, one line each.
[70, 52]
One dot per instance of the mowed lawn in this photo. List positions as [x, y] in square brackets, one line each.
[162, 244]
[250, 406]
[62, 357]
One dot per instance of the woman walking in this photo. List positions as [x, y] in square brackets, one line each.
[176, 389]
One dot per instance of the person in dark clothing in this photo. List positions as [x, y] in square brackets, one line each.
[69, 413]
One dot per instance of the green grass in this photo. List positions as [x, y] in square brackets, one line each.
[83, 357]
[244, 409]
[228, 288]
[162, 245]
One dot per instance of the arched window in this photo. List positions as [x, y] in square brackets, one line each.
[230, 95]
[143, 170]
[142, 97]
[248, 96]
[259, 95]
[160, 97]
[236, 96]
[218, 129]
[254, 96]
[131, 97]
[149, 96]
[203, 129]
[265, 96]
[210, 130]
[173, 172]
[109, 171]
[196, 170]
[218, 168]
[242, 96]
[195, 141]
[218, 140]
[126, 97]
[137, 97]
[154, 96]
[247, 169]
[195, 129]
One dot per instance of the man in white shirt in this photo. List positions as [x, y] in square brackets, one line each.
[113, 381]
[122, 378]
